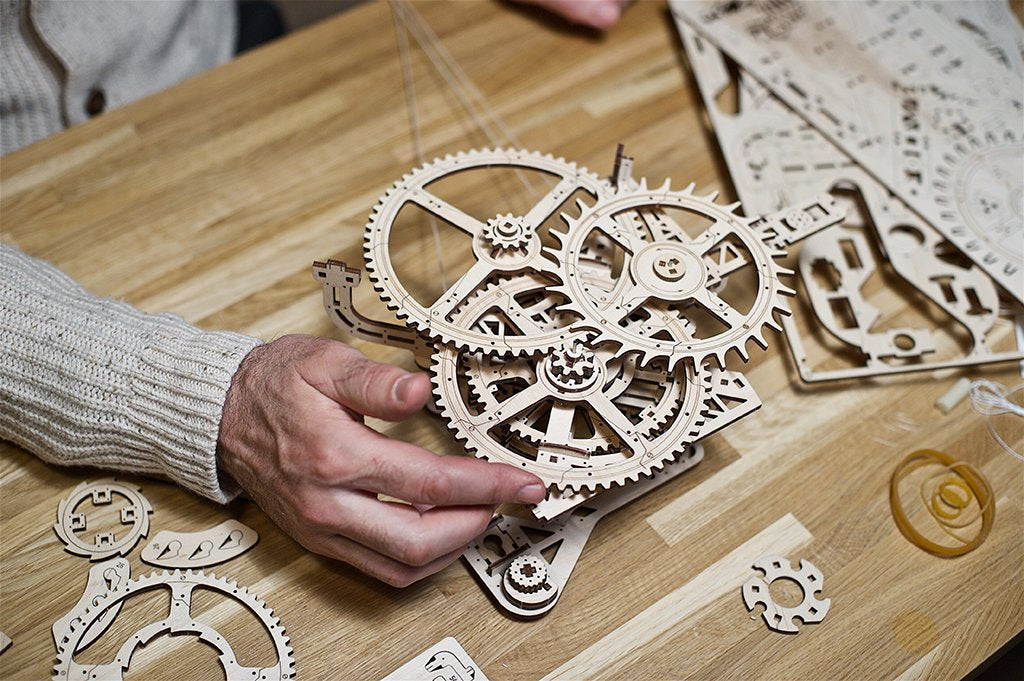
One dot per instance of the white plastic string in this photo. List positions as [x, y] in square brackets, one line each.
[414, 124]
[472, 100]
[457, 72]
[431, 47]
[992, 399]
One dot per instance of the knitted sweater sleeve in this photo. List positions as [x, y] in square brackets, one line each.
[94, 382]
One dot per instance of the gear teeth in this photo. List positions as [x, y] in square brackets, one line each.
[379, 268]
[577, 291]
[769, 300]
[674, 359]
[785, 272]
[65, 667]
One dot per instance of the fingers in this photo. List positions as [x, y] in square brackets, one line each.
[379, 566]
[370, 388]
[401, 532]
[600, 14]
[412, 474]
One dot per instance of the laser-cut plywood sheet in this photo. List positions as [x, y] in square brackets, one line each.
[774, 155]
[908, 95]
[991, 25]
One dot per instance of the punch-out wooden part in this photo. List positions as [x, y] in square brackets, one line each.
[446, 660]
[811, 609]
[832, 251]
[504, 246]
[179, 621]
[338, 281]
[5, 642]
[954, 396]
[104, 544]
[992, 26]
[525, 564]
[200, 549]
[103, 577]
[908, 96]
[664, 267]
[773, 156]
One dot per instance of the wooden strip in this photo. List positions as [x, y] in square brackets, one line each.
[50, 170]
[667, 521]
[614, 650]
[760, 438]
[920, 669]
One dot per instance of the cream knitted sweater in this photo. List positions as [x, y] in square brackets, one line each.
[94, 382]
[62, 61]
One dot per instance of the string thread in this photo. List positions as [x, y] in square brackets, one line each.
[993, 399]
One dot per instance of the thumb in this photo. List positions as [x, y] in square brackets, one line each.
[371, 388]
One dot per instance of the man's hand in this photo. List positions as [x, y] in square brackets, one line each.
[599, 14]
[292, 435]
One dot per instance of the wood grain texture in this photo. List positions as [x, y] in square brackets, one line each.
[212, 199]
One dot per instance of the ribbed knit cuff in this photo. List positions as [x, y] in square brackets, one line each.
[178, 399]
[94, 382]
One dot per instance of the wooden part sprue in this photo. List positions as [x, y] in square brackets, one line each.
[592, 354]
[775, 156]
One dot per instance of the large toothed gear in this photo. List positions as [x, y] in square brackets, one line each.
[566, 425]
[503, 246]
[178, 621]
[664, 268]
[811, 609]
[621, 447]
[646, 394]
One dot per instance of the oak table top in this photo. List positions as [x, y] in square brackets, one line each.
[212, 199]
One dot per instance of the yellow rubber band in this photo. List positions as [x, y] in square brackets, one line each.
[976, 485]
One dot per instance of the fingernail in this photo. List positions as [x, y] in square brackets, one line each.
[531, 494]
[602, 15]
[403, 389]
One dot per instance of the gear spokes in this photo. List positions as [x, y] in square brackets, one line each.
[504, 245]
[591, 417]
[587, 361]
[666, 268]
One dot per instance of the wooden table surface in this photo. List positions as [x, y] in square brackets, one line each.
[211, 200]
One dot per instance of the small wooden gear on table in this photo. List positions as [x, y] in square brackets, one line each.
[810, 610]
